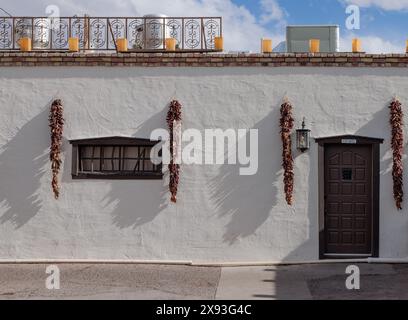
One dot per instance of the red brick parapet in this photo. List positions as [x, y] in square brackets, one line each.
[11, 59]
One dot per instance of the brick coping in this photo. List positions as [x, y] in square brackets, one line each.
[342, 59]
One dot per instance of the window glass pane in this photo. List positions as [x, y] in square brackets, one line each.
[142, 152]
[90, 152]
[130, 152]
[148, 150]
[111, 152]
[148, 165]
[126, 160]
[86, 152]
[111, 165]
[96, 165]
[130, 164]
[89, 165]
[107, 152]
[86, 165]
[96, 152]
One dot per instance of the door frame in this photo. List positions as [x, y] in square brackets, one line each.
[375, 156]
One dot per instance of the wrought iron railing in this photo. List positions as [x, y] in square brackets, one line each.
[101, 33]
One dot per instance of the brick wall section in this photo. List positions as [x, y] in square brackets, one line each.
[203, 60]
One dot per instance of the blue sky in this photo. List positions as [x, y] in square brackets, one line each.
[379, 20]
[374, 21]
[384, 23]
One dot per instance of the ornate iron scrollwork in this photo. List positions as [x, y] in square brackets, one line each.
[118, 30]
[150, 32]
[174, 30]
[60, 33]
[42, 30]
[97, 33]
[78, 31]
[22, 28]
[154, 33]
[6, 32]
[135, 34]
[192, 34]
[212, 30]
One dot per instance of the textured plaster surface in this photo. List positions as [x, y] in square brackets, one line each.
[220, 216]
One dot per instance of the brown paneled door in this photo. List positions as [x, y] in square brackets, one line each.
[348, 200]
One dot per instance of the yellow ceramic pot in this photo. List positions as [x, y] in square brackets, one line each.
[25, 44]
[219, 43]
[314, 45]
[122, 45]
[73, 44]
[170, 44]
[266, 45]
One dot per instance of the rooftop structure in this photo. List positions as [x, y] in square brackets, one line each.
[148, 33]
[297, 38]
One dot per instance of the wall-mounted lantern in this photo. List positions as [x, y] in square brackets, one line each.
[303, 137]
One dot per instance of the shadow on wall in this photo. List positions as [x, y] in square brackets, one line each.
[137, 202]
[230, 191]
[22, 165]
[288, 283]
[390, 217]
[380, 124]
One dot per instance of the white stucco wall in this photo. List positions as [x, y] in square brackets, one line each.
[220, 216]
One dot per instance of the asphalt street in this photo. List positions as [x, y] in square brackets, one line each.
[143, 281]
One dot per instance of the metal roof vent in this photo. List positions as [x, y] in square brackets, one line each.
[297, 38]
[156, 31]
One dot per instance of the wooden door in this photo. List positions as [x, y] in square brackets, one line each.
[348, 200]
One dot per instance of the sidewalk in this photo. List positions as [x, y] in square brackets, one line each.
[322, 281]
[110, 281]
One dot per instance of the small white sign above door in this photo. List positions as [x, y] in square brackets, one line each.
[349, 141]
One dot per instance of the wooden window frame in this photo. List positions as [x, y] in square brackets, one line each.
[112, 142]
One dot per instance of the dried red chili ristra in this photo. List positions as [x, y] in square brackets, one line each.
[173, 115]
[397, 145]
[56, 123]
[286, 125]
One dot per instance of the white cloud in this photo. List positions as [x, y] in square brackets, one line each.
[371, 44]
[383, 4]
[272, 11]
[242, 30]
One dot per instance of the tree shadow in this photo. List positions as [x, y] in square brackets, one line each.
[231, 191]
[295, 282]
[23, 162]
[380, 123]
[136, 202]
[391, 219]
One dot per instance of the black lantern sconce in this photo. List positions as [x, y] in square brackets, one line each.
[303, 138]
